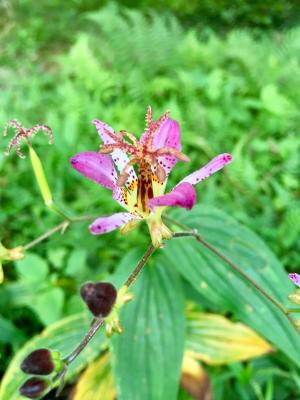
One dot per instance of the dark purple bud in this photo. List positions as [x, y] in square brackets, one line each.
[100, 297]
[39, 362]
[33, 388]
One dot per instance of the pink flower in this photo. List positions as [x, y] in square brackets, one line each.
[295, 278]
[140, 190]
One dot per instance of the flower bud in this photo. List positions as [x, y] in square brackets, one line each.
[33, 388]
[100, 297]
[113, 326]
[41, 362]
[40, 177]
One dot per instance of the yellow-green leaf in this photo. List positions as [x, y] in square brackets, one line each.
[97, 382]
[216, 340]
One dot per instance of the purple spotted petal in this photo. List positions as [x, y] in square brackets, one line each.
[119, 157]
[168, 136]
[183, 195]
[110, 223]
[96, 167]
[295, 278]
[213, 166]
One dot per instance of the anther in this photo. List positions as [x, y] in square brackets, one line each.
[160, 173]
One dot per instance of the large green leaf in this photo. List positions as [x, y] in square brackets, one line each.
[226, 290]
[147, 356]
[62, 336]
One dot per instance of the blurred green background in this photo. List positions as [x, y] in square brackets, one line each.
[227, 71]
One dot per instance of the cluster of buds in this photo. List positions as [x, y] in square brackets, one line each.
[105, 302]
[40, 362]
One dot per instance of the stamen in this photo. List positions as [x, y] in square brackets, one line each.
[170, 151]
[160, 173]
[122, 179]
[124, 174]
[130, 136]
[108, 148]
[117, 137]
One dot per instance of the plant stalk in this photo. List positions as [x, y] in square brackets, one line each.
[60, 227]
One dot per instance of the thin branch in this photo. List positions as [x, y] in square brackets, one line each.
[60, 227]
[132, 277]
[91, 333]
[45, 235]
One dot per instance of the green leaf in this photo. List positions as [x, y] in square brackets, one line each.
[149, 352]
[48, 305]
[223, 288]
[63, 336]
[32, 268]
[273, 101]
[76, 265]
[216, 340]
[56, 256]
[10, 333]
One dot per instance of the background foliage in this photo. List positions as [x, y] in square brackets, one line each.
[234, 88]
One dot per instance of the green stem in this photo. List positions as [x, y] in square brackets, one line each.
[60, 227]
[132, 277]
[53, 207]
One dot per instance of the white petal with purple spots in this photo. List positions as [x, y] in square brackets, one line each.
[205, 172]
[118, 156]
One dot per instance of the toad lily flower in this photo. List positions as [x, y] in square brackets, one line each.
[141, 191]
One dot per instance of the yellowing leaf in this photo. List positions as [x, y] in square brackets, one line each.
[97, 382]
[194, 379]
[216, 340]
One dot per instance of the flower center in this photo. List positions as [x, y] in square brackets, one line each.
[143, 154]
[145, 187]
